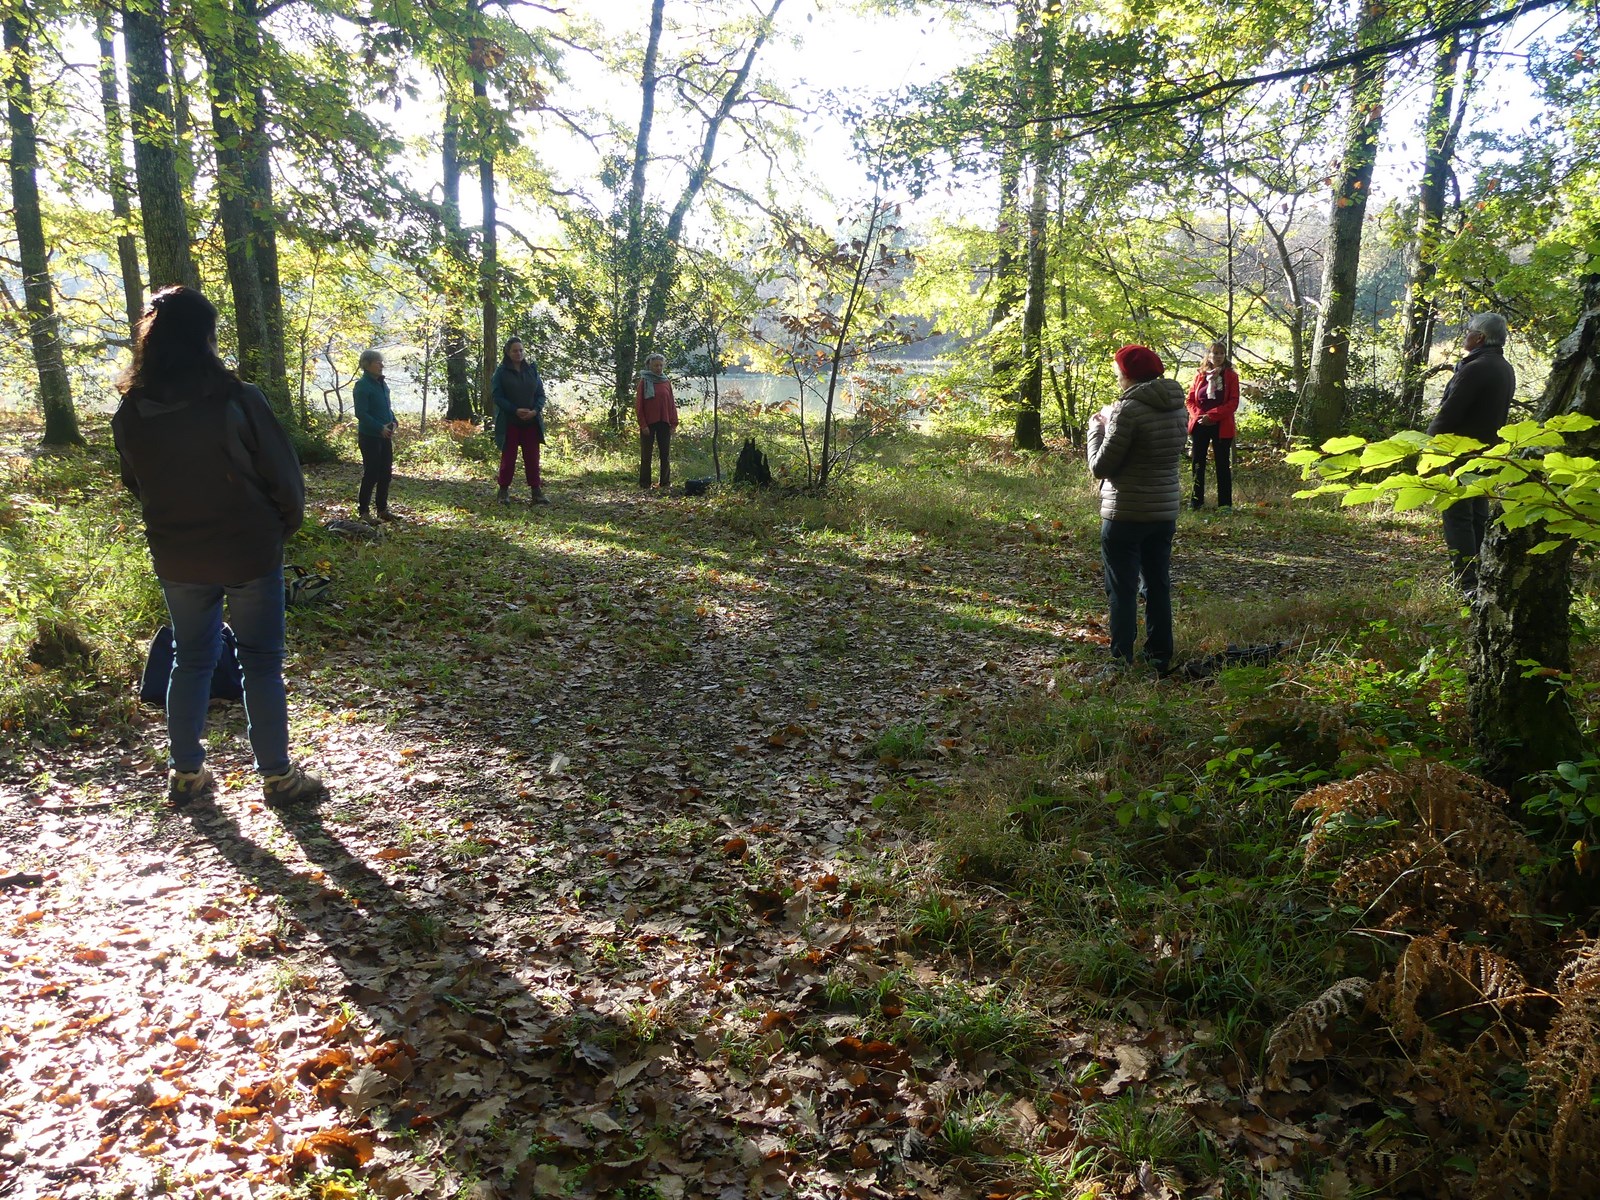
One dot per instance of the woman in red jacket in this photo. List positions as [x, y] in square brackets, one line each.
[1213, 399]
[658, 417]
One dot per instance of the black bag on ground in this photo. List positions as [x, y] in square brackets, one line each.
[302, 587]
[752, 466]
[227, 683]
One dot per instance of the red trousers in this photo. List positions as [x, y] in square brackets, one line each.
[528, 438]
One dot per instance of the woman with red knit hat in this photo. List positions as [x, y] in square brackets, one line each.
[1213, 399]
[1135, 445]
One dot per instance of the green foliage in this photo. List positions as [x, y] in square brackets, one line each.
[1538, 471]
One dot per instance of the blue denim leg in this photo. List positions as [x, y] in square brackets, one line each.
[255, 610]
[196, 613]
[1119, 554]
[1155, 565]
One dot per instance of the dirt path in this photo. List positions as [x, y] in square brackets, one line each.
[600, 904]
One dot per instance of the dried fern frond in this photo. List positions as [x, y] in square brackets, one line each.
[1437, 977]
[1586, 961]
[1299, 1036]
[1428, 842]
[1557, 1133]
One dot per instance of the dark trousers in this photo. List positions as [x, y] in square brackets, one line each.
[658, 434]
[377, 468]
[1200, 437]
[1465, 523]
[1135, 551]
[526, 436]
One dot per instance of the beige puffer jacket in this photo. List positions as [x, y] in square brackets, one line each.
[1136, 452]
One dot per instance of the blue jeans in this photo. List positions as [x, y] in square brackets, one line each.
[255, 610]
[1133, 551]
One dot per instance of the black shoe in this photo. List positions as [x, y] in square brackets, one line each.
[385, 515]
[505, 496]
[538, 497]
[363, 514]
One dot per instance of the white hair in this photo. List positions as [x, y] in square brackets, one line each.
[1492, 325]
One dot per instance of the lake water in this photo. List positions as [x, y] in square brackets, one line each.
[734, 390]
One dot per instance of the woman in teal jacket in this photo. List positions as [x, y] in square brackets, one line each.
[375, 426]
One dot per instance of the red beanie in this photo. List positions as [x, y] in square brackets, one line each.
[1139, 363]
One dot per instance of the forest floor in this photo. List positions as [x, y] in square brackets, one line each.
[621, 887]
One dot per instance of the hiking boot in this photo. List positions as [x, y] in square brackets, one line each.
[539, 497]
[184, 786]
[294, 786]
[385, 515]
[505, 495]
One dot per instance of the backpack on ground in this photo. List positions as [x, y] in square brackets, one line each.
[302, 587]
[752, 466]
[227, 682]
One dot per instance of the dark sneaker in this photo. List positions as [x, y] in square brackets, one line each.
[363, 514]
[505, 496]
[184, 786]
[294, 786]
[539, 497]
[385, 515]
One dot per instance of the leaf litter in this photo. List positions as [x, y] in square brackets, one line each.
[570, 922]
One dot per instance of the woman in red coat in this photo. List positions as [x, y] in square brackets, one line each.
[1212, 401]
[658, 417]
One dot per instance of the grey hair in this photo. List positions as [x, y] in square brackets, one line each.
[1492, 325]
[651, 357]
[370, 356]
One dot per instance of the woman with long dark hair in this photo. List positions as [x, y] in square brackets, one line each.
[518, 419]
[1212, 401]
[221, 491]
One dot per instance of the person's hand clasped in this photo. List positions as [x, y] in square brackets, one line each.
[524, 414]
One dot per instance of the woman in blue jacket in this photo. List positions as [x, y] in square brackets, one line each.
[375, 426]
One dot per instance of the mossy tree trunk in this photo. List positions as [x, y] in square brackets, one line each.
[457, 353]
[1440, 131]
[1322, 409]
[155, 160]
[44, 328]
[117, 176]
[1028, 433]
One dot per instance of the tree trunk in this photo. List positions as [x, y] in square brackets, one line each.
[453, 339]
[660, 293]
[44, 330]
[234, 201]
[633, 248]
[1521, 723]
[1009, 281]
[1440, 128]
[1029, 432]
[183, 128]
[155, 160]
[1322, 409]
[117, 177]
[489, 266]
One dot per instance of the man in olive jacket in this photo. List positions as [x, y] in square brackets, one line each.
[1476, 402]
[1135, 446]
